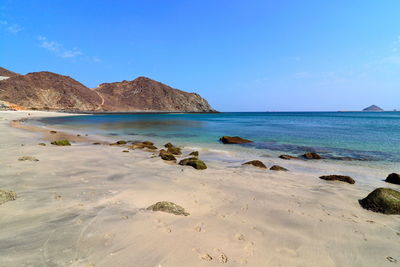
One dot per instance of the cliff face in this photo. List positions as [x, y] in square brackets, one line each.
[146, 94]
[47, 90]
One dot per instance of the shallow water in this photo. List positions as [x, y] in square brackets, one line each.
[371, 136]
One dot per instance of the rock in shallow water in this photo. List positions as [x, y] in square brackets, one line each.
[383, 200]
[288, 157]
[169, 207]
[234, 140]
[194, 162]
[278, 168]
[311, 155]
[341, 178]
[7, 196]
[61, 143]
[393, 178]
[256, 163]
[194, 153]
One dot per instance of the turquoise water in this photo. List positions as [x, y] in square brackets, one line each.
[361, 135]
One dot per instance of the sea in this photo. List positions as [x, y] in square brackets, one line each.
[341, 136]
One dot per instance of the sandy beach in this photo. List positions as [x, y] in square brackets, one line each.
[85, 205]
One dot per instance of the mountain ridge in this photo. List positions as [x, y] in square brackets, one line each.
[51, 91]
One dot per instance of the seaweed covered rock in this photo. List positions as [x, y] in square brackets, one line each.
[27, 158]
[165, 155]
[61, 143]
[143, 145]
[287, 157]
[256, 163]
[383, 200]
[311, 155]
[393, 178]
[194, 162]
[169, 207]
[234, 140]
[173, 149]
[194, 153]
[341, 178]
[7, 196]
[278, 168]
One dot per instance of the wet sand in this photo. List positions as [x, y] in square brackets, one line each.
[84, 205]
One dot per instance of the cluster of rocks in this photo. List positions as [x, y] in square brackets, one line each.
[260, 164]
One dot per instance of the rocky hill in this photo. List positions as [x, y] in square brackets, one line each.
[48, 91]
[146, 94]
[373, 108]
[51, 91]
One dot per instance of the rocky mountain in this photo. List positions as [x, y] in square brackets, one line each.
[146, 94]
[373, 108]
[51, 91]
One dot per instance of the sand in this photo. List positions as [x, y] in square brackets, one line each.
[85, 205]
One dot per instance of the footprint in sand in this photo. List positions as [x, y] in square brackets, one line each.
[222, 258]
[199, 227]
[240, 237]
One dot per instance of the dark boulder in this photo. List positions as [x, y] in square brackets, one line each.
[341, 178]
[256, 163]
[383, 200]
[194, 162]
[120, 142]
[311, 155]
[393, 178]
[165, 155]
[288, 157]
[278, 168]
[169, 207]
[194, 153]
[234, 140]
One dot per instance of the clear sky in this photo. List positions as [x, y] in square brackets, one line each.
[240, 55]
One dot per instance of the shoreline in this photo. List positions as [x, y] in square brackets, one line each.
[89, 202]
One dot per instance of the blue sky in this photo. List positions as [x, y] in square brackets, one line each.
[240, 55]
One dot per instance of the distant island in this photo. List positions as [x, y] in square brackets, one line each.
[50, 91]
[372, 108]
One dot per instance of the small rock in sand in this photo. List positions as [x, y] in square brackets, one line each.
[311, 155]
[393, 178]
[256, 163]
[341, 178]
[125, 151]
[61, 143]
[169, 207]
[28, 158]
[383, 200]
[7, 196]
[120, 142]
[96, 143]
[194, 162]
[53, 132]
[41, 144]
[143, 145]
[278, 168]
